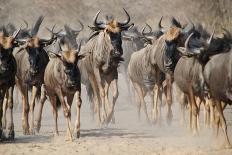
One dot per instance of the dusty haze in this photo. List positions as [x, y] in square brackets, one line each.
[128, 135]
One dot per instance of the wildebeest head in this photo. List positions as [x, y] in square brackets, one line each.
[201, 51]
[34, 45]
[112, 30]
[62, 38]
[153, 35]
[7, 44]
[168, 42]
[109, 41]
[69, 60]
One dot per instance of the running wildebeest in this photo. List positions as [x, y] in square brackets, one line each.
[8, 70]
[188, 75]
[166, 55]
[62, 79]
[145, 76]
[31, 61]
[220, 86]
[55, 47]
[101, 64]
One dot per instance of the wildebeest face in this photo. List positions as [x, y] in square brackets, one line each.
[171, 41]
[6, 48]
[72, 74]
[116, 40]
[5, 58]
[33, 49]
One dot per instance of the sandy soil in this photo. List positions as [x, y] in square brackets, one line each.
[126, 136]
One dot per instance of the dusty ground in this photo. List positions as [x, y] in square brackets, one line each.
[127, 136]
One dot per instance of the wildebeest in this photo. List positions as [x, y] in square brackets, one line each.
[131, 41]
[105, 51]
[62, 79]
[8, 69]
[199, 68]
[31, 61]
[145, 76]
[55, 47]
[220, 86]
[166, 56]
[188, 76]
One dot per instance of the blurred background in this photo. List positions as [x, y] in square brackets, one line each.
[210, 13]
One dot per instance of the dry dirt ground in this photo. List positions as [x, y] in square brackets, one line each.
[126, 136]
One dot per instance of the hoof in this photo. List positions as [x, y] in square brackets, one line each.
[169, 118]
[37, 127]
[226, 146]
[11, 135]
[32, 132]
[78, 135]
[26, 132]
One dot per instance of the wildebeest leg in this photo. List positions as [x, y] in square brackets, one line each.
[211, 105]
[5, 101]
[39, 116]
[223, 123]
[106, 106]
[115, 97]
[24, 93]
[2, 94]
[10, 127]
[32, 106]
[207, 113]
[198, 103]
[169, 98]
[160, 107]
[67, 114]
[78, 122]
[190, 113]
[182, 101]
[96, 97]
[155, 103]
[137, 100]
[100, 87]
[53, 100]
[194, 111]
[141, 94]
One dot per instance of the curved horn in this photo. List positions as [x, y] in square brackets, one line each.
[125, 22]
[147, 35]
[26, 24]
[150, 29]
[78, 31]
[211, 37]
[174, 22]
[159, 24]
[58, 34]
[35, 28]
[193, 51]
[49, 41]
[16, 33]
[97, 24]
[187, 42]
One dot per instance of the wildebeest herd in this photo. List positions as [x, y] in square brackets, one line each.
[152, 60]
